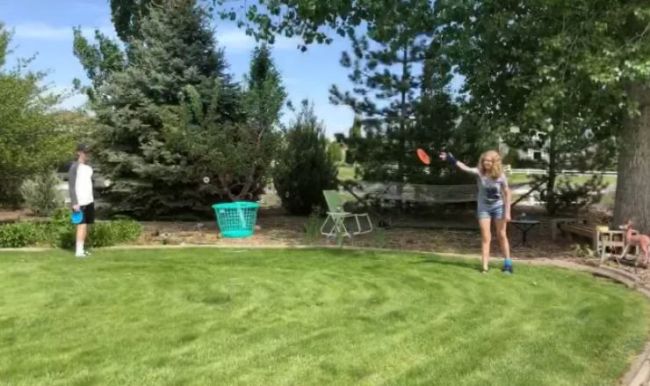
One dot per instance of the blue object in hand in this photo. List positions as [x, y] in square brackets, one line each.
[450, 158]
[77, 217]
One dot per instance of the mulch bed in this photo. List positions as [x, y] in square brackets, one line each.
[274, 228]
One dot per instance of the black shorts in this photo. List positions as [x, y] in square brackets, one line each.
[89, 213]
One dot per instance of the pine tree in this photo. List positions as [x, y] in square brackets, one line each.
[237, 154]
[264, 94]
[392, 89]
[127, 16]
[140, 109]
[304, 168]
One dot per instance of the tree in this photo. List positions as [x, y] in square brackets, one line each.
[5, 38]
[233, 157]
[237, 155]
[99, 61]
[31, 139]
[335, 152]
[601, 47]
[264, 94]
[351, 141]
[526, 74]
[400, 92]
[312, 20]
[303, 168]
[127, 16]
[139, 100]
[392, 42]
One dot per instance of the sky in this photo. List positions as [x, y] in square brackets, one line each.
[43, 30]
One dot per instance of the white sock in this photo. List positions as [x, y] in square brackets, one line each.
[80, 247]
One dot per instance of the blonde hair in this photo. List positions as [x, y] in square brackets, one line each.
[497, 167]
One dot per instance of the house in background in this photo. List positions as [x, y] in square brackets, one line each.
[533, 153]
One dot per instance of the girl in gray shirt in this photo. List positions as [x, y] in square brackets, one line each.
[493, 202]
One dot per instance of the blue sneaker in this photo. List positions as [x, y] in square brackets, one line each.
[507, 266]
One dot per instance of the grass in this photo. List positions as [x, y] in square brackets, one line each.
[298, 317]
[346, 172]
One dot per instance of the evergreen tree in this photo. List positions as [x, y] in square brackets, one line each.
[236, 155]
[264, 94]
[353, 141]
[140, 108]
[400, 93]
[304, 169]
[127, 16]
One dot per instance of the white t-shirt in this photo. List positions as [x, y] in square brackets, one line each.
[80, 182]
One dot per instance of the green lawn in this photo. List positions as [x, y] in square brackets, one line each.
[307, 317]
[346, 172]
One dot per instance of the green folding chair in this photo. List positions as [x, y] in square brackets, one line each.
[334, 224]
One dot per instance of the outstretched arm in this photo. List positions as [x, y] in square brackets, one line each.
[454, 162]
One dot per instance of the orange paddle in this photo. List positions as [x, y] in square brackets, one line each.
[423, 156]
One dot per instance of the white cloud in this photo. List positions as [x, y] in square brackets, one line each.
[43, 31]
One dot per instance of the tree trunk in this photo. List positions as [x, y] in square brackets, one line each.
[633, 182]
[402, 133]
[551, 200]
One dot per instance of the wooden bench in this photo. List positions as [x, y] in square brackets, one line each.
[574, 228]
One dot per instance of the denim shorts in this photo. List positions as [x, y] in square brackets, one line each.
[493, 211]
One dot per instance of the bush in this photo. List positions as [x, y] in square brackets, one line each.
[304, 169]
[18, 235]
[60, 233]
[126, 230]
[571, 197]
[512, 158]
[335, 152]
[104, 234]
[41, 195]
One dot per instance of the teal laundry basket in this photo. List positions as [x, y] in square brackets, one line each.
[236, 219]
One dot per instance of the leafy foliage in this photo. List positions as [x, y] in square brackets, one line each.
[31, 138]
[58, 231]
[335, 152]
[531, 75]
[103, 234]
[41, 195]
[19, 235]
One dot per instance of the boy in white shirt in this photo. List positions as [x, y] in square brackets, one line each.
[80, 186]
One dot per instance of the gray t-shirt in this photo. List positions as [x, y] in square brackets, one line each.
[490, 190]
